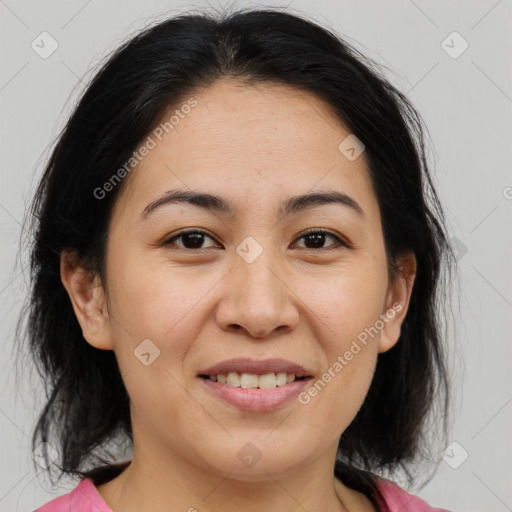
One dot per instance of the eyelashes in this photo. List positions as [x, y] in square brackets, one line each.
[323, 235]
[196, 237]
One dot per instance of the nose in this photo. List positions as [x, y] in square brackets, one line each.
[258, 298]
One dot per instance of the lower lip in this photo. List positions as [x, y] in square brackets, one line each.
[256, 399]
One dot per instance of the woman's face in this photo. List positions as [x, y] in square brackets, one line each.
[253, 286]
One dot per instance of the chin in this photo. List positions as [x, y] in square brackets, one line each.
[248, 463]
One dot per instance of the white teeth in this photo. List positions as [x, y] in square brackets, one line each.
[280, 379]
[267, 381]
[251, 380]
[233, 379]
[248, 380]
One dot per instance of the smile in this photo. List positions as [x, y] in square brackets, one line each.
[251, 380]
[254, 398]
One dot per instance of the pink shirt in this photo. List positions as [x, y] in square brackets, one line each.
[86, 498]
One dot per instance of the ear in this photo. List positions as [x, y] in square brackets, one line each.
[88, 299]
[397, 300]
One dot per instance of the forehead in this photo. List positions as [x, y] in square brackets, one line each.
[258, 142]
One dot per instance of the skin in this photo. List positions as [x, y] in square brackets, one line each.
[255, 146]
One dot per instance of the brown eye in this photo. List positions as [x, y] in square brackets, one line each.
[315, 239]
[192, 240]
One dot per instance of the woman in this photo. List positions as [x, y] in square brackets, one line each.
[237, 257]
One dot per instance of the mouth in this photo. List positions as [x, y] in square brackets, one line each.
[257, 386]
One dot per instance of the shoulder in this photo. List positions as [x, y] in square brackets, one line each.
[397, 499]
[83, 498]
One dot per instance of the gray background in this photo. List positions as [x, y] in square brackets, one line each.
[466, 103]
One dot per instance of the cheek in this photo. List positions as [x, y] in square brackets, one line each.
[348, 299]
[347, 307]
[338, 393]
[155, 321]
[160, 302]
[155, 318]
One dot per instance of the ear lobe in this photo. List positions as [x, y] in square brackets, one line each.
[87, 296]
[397, 300]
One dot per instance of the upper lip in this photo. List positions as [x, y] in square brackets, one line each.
[257, 367]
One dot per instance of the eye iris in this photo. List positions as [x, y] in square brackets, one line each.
[197, 240]
[316, 237]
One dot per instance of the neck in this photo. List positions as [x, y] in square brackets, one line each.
[160, 480]
[155, 488]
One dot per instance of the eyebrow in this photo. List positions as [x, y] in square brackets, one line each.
[217, 204]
